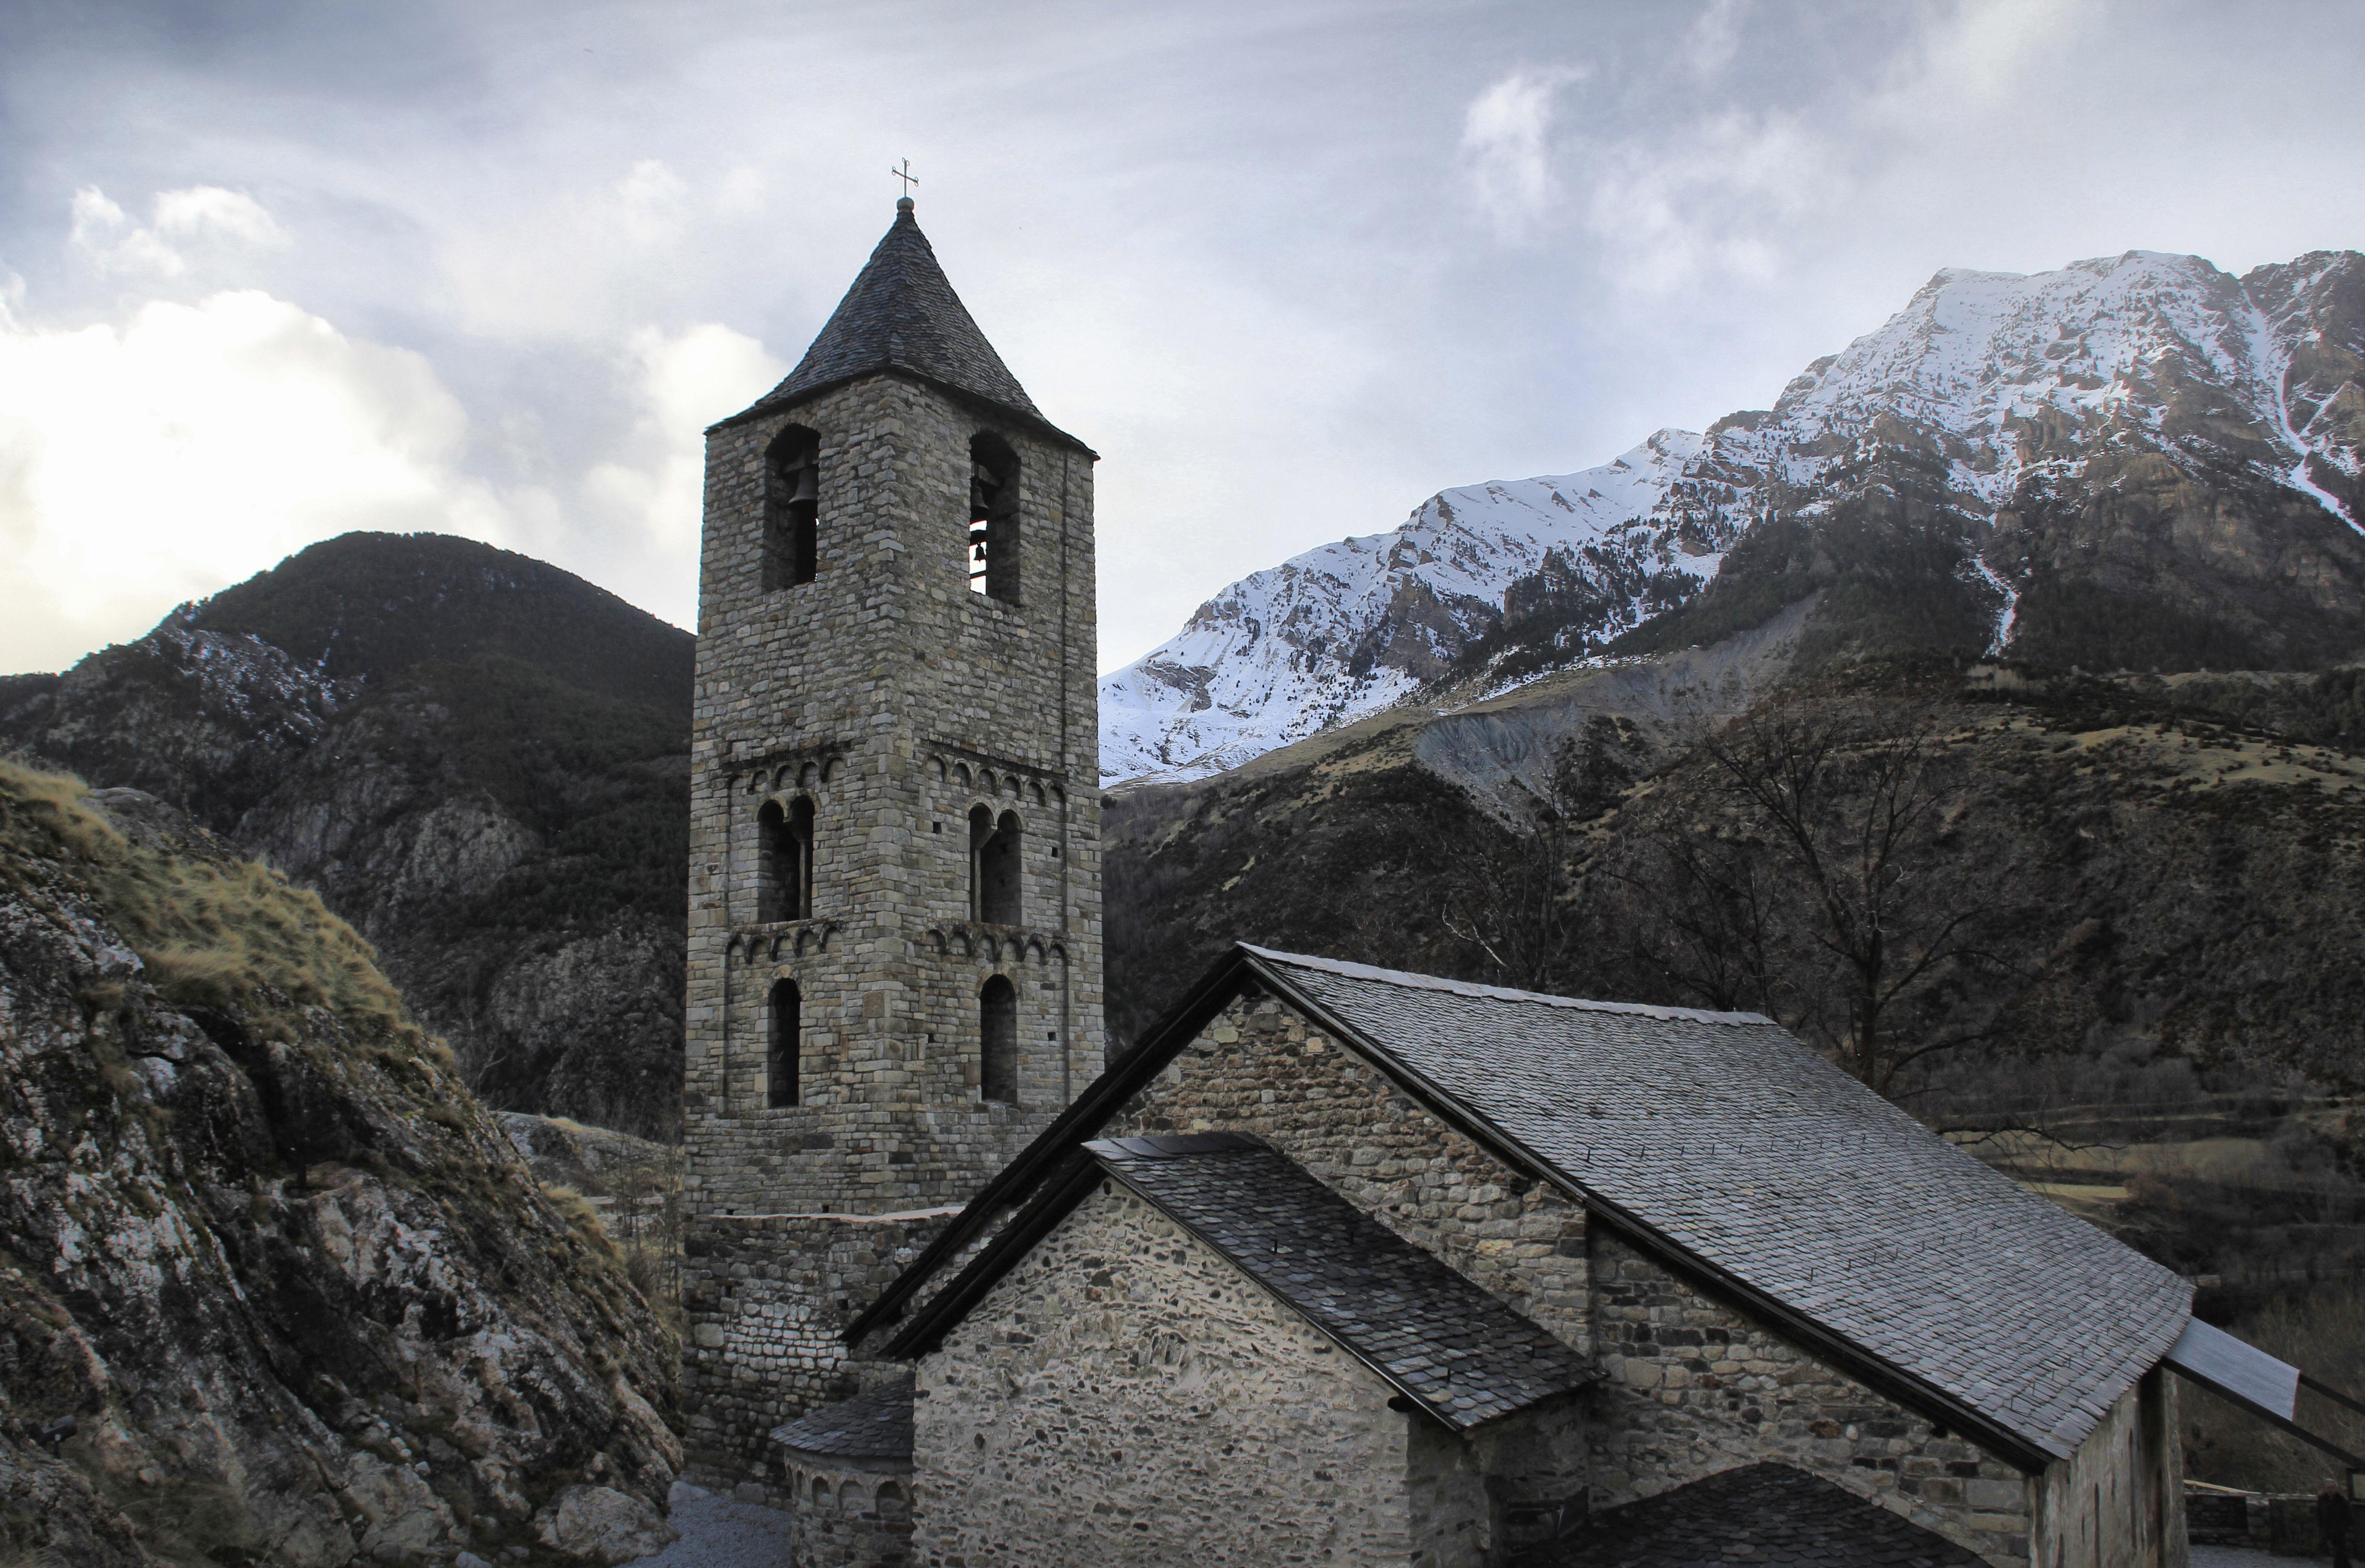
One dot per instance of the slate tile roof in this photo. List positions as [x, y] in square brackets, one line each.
[1438, 1339]
[1728, 1137]
[873, 1426]
[1768, 1515]
[902, 314]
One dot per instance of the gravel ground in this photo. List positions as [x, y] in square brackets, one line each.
[2215, 1557]
[719, 1533]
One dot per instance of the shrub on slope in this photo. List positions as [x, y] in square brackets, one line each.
[299, 1296]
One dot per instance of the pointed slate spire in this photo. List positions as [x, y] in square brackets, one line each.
[902, 314]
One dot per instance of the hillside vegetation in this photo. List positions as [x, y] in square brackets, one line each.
[273, 1287]
[479, 760]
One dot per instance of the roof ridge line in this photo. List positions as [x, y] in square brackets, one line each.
[1507, 994]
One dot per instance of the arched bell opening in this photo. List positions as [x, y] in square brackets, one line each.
[792, 508]
[993, 517]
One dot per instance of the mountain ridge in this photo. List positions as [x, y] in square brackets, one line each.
[479, 760]
[1971, 414]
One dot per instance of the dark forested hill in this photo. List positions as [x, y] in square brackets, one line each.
[480, 760]
[371, 606]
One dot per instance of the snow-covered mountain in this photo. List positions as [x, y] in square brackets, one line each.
[1983, 383]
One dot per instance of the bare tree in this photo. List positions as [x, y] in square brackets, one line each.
[1511, 897]
[1697, 915]
[1796, 868]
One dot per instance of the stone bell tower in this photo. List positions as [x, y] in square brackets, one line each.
[894, 966]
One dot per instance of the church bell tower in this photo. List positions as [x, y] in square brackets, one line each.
[895, 968]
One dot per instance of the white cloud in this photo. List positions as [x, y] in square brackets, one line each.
[200, 215]
[1715, 37]
[1506, 146]
[210, 210]
[193, 445]
[1720, 190]
[651, 203]
[1984, 51]
[682, 382]
[581, 260]
[1718, 197]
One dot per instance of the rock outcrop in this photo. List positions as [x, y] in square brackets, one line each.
[275, 1289]
[479, 760]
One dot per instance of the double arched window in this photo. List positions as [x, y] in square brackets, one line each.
[792, 508]
[997, 1032]
[784, 1031]
[784, 857]
[993, 517]
[994, 867]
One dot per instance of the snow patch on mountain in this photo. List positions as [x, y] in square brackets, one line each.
[1348, 629]
[1994, 372]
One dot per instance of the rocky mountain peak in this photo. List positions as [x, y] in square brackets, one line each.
[1981, 404]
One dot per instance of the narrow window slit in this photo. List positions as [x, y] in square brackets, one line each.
[784, 1045]
[997, 1067]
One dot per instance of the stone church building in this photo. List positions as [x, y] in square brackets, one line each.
[1337, 1265]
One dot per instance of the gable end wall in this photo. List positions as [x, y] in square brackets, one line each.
[1260, 1067]
[1695, 1387]
[1124, 1396]
[2118, 1501]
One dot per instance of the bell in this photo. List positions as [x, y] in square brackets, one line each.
[808, 484]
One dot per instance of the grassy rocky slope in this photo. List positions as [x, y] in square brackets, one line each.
[479, 760]
[273, 1287]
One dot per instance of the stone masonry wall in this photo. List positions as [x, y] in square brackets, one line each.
[1514, 1483]
[895, 699]
[766, 1299]
[2118, 1501]
[849, 1517]
[1694, 1387]
[1123, 1397]
[1260, 1068]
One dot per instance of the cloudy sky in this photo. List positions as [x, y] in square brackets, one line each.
[269, 272]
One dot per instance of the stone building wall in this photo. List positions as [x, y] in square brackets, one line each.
[1514, 1483]
[848, 1516]
[1123, 1397]
[2119, 1501]
[766, 1299]
[1260, 1068]
[894, 700]
[1694, 1387]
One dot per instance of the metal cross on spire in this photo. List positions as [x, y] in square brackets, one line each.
[905, 175]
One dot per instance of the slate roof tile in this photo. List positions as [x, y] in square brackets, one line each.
[873, 1426]
[1440, 1339]
[1729, 1137]
[901, 313]
[1770, 1515]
